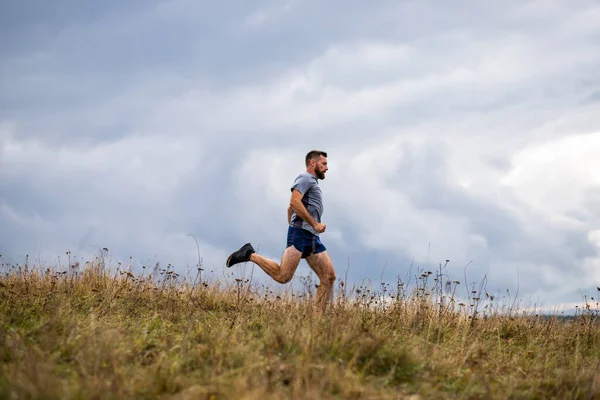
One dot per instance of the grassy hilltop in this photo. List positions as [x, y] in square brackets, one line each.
[97, 335]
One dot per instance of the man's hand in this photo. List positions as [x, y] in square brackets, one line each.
[319, 227]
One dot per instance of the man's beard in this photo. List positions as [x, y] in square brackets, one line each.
[320, 174]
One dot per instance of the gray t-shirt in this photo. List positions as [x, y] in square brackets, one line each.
[308, 185]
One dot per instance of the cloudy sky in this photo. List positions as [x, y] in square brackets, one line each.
[463, 130]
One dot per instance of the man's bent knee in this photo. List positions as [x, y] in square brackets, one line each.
[285, 278]
[328, 278]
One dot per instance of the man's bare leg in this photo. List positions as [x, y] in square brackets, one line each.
[323, 267]
[281, 273]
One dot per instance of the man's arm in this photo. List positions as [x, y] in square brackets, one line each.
[302, 212]
[290, 210]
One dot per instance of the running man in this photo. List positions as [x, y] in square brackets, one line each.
[303, 237]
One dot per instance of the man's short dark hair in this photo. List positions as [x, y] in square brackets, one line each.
[314, 155]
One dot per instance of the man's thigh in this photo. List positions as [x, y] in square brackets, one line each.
[321, 264]
[289, 261]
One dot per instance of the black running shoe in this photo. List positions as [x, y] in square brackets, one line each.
[241, 255]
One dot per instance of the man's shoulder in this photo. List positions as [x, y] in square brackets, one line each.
[305, 182]
[304, 176]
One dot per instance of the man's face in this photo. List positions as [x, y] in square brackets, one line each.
[321, 167]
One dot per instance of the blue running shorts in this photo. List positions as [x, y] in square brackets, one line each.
[304, 241]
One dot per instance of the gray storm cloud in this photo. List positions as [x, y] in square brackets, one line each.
[464, 131]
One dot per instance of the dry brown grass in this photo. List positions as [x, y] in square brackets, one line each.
[104, 335]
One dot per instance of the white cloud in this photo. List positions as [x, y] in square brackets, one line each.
[557, 175]
[360, 81]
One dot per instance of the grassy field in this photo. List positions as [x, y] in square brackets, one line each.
[94, 334]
